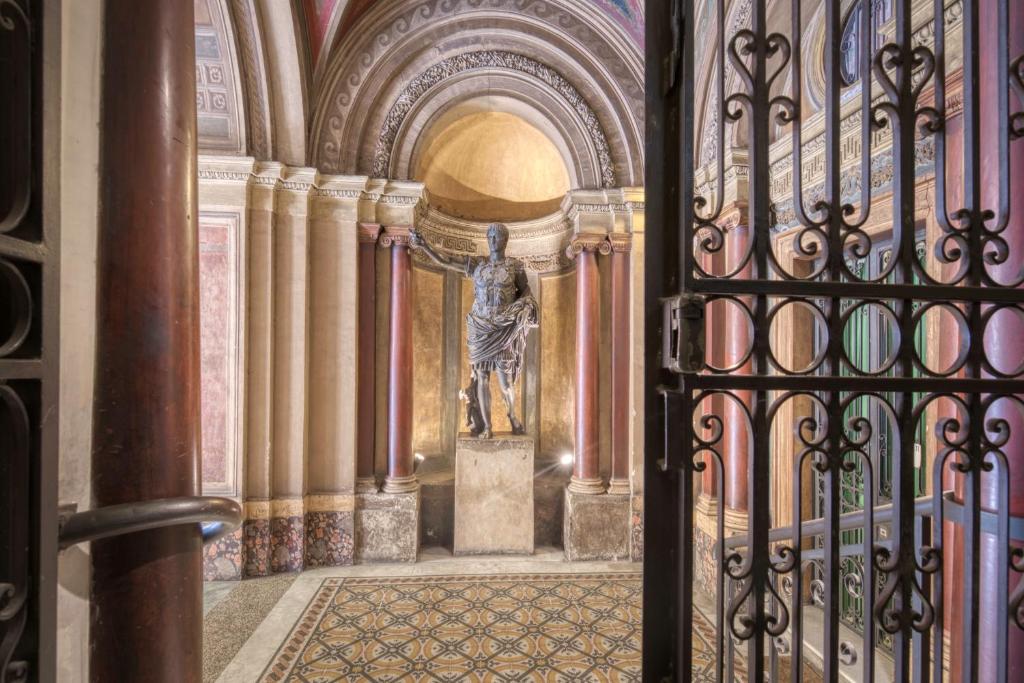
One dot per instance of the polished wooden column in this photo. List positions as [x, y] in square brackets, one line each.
[621, 245]
[400, 477]
[146, 607]
[367, 375]
[586, 474]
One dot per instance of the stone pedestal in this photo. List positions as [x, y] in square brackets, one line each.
[387, 527]
[494, 495]
[596, 527]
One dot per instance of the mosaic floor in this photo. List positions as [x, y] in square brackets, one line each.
[548, 627]
[467, 628]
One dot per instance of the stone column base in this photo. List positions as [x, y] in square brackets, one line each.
[400, 484]
[596, 527]
[592, 487]
[387, 527]
[366, 485]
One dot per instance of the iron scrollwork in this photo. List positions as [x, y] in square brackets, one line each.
[872, 248]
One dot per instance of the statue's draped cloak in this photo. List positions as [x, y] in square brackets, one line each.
[503, 312]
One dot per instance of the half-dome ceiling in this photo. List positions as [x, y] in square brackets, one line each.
[491, 166]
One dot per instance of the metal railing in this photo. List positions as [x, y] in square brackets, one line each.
[216, 516]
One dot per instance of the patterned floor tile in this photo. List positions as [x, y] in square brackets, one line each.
[513, 627]
[576, 627]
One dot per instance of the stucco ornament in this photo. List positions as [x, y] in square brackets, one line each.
[503, 313]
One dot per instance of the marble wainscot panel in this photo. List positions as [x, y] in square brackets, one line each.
[223, 559]
[636, 529]
[387, 527]
[287, 536]
[596, 526]
[330, 530]
[494, 495]
[256, 538]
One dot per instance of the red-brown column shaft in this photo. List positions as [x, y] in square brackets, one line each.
[709, 478]
[586, 474]
[146, 612]
[400, 477]
[736, 341]
[367, 371]
[620, 244]
[1002, 342]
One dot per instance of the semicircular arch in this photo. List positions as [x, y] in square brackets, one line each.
[549, 50]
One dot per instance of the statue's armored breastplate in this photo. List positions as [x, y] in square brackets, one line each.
[494, 285]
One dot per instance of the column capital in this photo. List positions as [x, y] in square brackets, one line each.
[368, 232]
[588, 241]
[620, 241]
[395, 235]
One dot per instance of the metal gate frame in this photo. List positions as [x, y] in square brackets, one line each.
[29, 336]
[909, 605]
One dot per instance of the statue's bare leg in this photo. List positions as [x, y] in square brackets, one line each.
[508, 392]
[483, 393]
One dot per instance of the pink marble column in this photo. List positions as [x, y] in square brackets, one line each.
[621, 245]
[367, 376]
[586, 473]
[1003, 336]
[736, 341]
[400, 477]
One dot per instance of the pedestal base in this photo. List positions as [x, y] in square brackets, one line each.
[494, 495]
[596, 527]
[387, 527]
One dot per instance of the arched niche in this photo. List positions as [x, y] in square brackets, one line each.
[491, 165]
[564, 57]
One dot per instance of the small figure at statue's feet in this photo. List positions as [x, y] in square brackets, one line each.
[517, 426]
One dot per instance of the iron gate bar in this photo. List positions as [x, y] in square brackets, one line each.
[929, 385]
[909, 604]
[883, 514]
[856, 290]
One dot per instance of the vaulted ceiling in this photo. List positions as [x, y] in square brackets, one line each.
[271, 75]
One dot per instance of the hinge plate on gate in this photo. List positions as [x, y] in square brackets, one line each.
[682, 333]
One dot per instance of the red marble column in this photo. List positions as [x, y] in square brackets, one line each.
[621, 244]
[367, 372]
[586, 473]
[1002, 338]
[736, 341]
[400, 477]
[709, 478]
[146, 612]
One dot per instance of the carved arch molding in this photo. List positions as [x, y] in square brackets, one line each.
[406, 53]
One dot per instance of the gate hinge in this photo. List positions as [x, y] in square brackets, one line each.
[682, 333]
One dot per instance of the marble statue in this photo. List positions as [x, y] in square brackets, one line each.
[503, 313]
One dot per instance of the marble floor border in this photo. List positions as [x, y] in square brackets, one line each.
[258, 651]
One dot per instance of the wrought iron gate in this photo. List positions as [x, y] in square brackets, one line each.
[787, 143]
[29, 269]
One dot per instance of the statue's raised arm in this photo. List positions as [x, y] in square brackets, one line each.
[457, 264]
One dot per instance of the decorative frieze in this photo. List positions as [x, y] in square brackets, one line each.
[490, 59]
